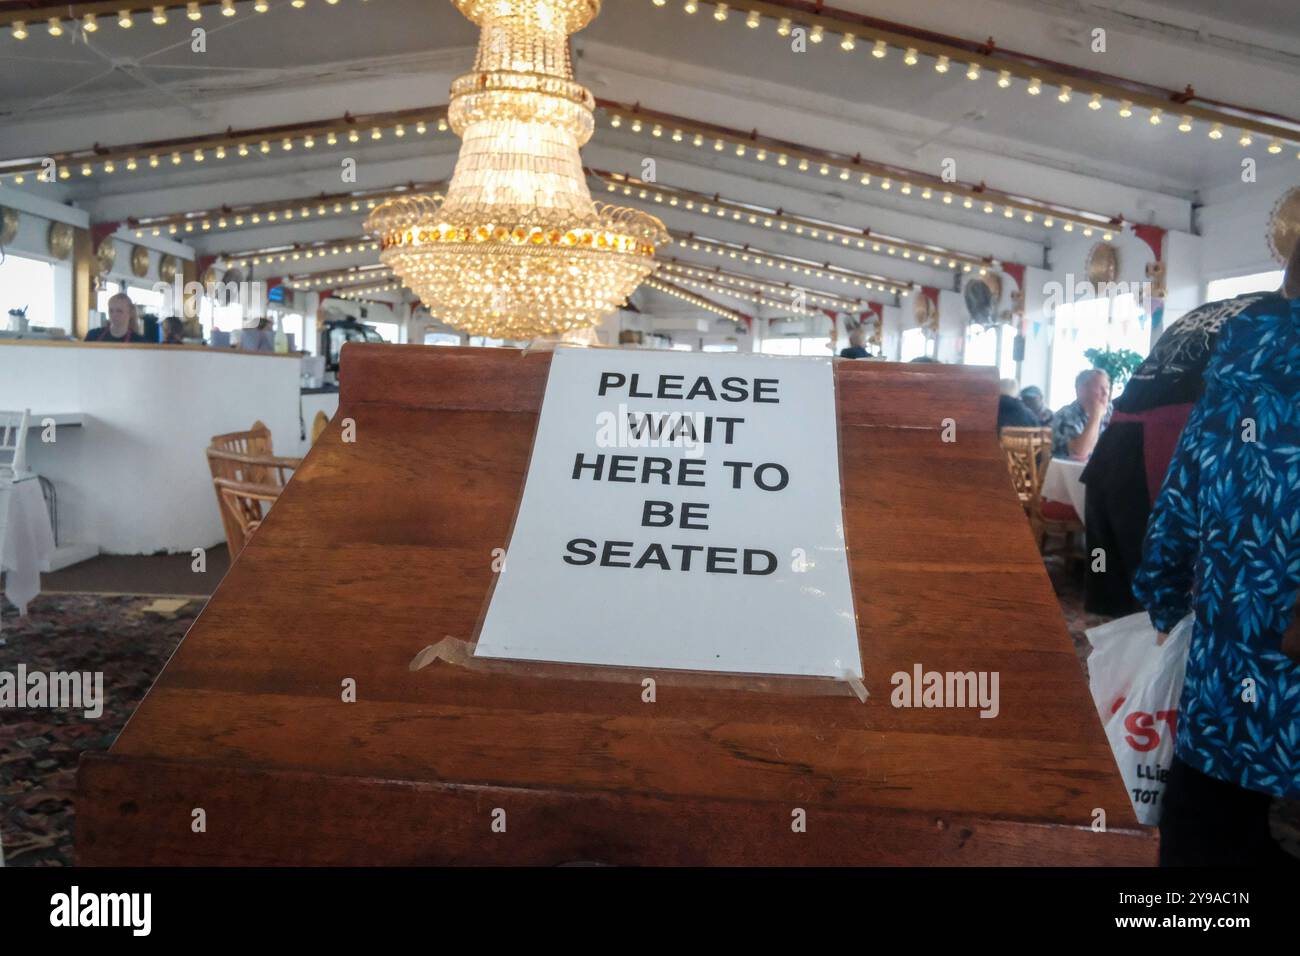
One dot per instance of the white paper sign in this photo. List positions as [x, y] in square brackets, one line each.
[682, 510]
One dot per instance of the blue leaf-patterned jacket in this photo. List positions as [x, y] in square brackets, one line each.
[1224, 541]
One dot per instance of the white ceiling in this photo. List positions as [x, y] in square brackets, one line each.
[289, 66]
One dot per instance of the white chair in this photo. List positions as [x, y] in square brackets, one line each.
[13, 444]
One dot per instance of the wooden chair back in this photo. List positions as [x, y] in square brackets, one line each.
[247, 504]
[318, 425]
[245, 459]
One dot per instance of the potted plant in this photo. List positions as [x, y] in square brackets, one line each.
[1118, 364]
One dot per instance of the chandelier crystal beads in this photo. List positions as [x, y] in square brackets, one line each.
[518, 249]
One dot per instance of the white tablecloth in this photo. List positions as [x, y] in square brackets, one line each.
[1062, 483]
[26, 541]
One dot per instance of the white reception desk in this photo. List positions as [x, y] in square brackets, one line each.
[133, 479]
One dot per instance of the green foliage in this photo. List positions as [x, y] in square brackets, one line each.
[1119, 364]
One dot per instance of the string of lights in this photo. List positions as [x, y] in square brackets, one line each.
[230, 144]
[698, 301]
[901, 181]
[831, 273]
[984, 59]
[782, 221]
[298, 252]
[55, 19]
[224, 218]
[788, 290]
[306, 282]
[190, 152]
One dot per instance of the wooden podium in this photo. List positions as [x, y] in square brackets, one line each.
[382, 546]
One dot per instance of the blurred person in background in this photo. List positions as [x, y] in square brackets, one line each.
[1012, 412]
[122, 326]
[1033, 398]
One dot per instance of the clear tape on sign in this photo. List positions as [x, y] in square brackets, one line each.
[458, 652]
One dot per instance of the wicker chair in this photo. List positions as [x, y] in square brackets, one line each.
[247, 505]
[246, 475]
[1029, 453]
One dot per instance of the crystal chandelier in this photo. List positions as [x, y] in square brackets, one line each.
[518, 249]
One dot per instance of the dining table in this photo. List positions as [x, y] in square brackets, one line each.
[1063, 482]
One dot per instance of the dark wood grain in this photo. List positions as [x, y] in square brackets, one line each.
[380, 547]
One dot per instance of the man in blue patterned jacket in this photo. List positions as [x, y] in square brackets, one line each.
[1224, 542]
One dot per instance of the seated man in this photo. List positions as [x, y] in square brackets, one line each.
[1077, 426]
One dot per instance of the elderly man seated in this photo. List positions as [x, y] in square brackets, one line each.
[1077, 426]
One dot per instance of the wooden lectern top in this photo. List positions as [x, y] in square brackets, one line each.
[382, 546]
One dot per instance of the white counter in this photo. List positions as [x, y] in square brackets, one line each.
[133, 479]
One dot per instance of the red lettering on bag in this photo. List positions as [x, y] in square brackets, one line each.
[1140, 724]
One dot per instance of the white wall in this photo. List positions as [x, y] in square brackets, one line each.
[1234, 225]
[134, 478]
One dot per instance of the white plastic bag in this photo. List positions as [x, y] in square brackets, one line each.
[1136, 686]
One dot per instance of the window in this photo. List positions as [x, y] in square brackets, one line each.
[106, 292]
[722, 347]
[441, 338]
[914, 343]
[27, 284]
[1093, 324]
[992, 346]
[223, 318]
[981, 345]
[815, 345]
[149, 300]
[1243, 285]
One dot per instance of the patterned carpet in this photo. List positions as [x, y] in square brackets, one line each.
[39, 749]
[129, 639]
